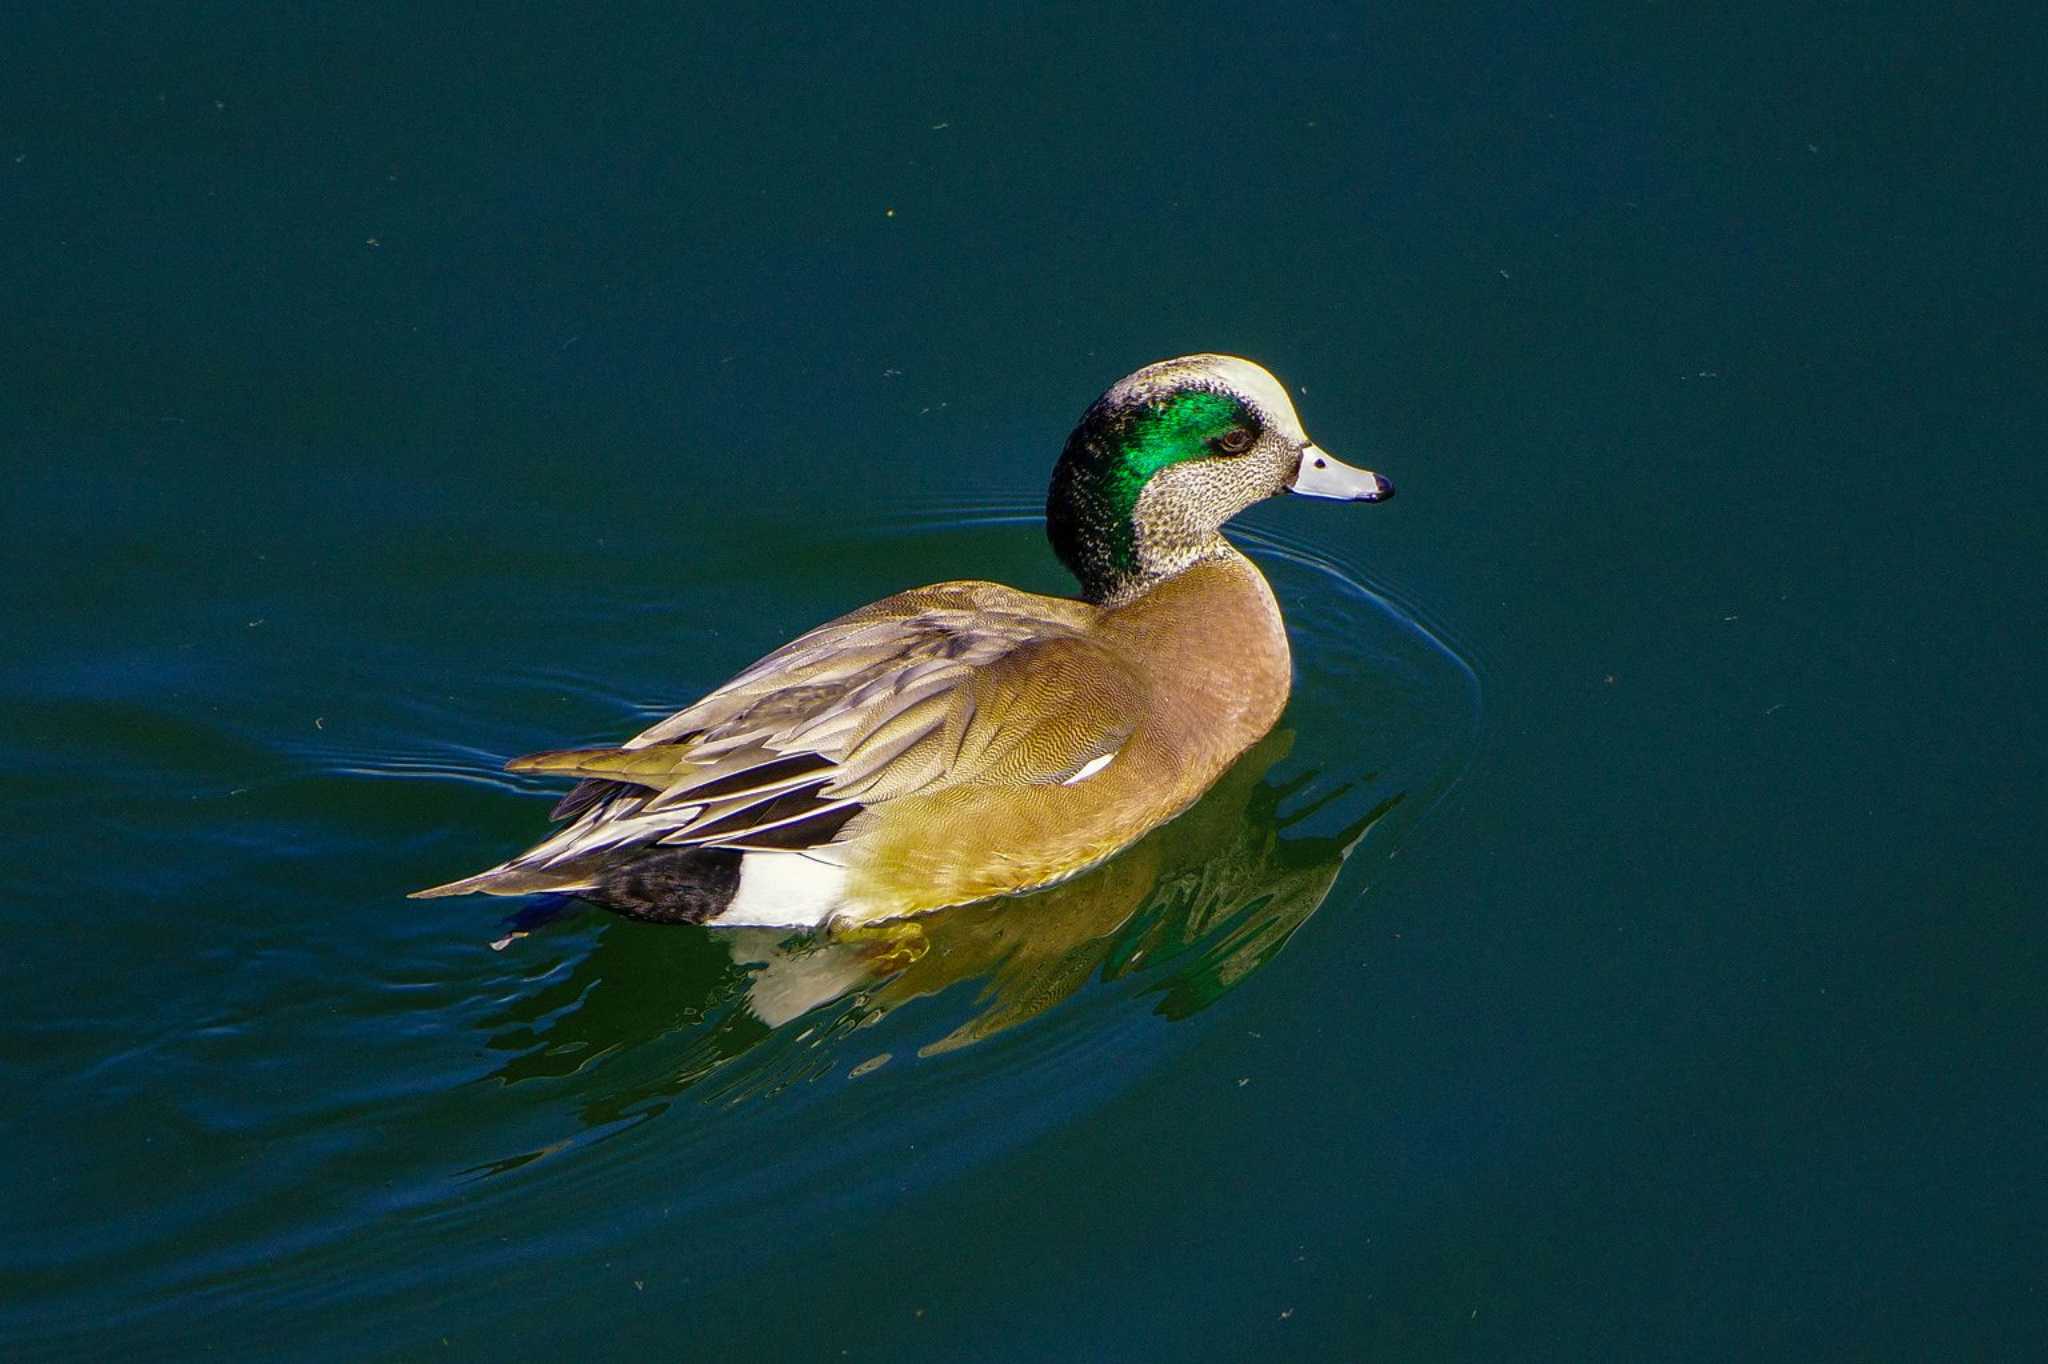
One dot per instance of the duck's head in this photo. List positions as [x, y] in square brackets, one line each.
[1169, 454]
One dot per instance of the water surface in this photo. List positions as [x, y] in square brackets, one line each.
[1628, 947]
[735, 1080]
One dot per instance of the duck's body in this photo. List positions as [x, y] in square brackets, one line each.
[966, 740]
[1142, 693]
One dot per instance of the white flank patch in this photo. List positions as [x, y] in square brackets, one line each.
[1090, 768]
[784, 890]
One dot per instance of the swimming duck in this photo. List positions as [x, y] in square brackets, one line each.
[967, 740]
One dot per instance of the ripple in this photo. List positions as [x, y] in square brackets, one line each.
[605, 1073]
[622, 1067]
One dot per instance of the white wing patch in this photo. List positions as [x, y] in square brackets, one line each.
[1090, 768]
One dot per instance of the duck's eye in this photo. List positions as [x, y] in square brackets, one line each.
[1235, 441]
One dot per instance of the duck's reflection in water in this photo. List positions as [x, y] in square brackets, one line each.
[1192, 909]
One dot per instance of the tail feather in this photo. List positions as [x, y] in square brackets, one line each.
[662, 885]
[509, 879]
[653, 766]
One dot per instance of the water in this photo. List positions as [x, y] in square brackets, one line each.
[264, 843]
[1627, 945]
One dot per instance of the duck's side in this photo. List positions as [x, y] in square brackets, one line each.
[1042, 736]
[1215, 677]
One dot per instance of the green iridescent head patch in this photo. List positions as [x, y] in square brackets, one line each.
[1109, 459]
[1180, 428]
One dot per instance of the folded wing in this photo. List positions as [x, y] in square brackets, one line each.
[965, 682]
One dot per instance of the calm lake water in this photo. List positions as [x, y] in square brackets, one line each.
[1628, 946]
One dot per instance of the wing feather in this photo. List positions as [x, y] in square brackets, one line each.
[964, 681]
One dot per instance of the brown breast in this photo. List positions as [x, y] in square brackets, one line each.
[1212, 649]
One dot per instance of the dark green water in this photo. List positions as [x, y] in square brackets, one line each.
[1629, 947]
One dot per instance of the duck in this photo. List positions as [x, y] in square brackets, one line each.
[968, 740]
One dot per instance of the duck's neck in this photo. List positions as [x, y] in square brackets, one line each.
[1121, 552]
[1159, 567]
